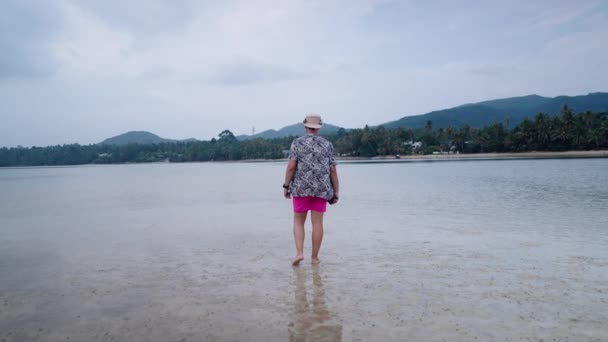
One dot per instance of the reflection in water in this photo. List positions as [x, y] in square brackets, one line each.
[311, 324]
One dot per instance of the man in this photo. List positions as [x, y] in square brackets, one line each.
[312, 179]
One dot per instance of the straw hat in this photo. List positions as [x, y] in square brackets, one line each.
[313, 121]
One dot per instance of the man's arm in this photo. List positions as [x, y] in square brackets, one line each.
[289, 173]
[333, 176]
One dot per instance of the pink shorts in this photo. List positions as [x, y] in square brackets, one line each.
[304, 204]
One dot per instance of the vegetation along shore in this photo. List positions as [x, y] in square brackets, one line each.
[532, 138]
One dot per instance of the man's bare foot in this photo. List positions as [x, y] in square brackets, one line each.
[297, 260]
[315, 261]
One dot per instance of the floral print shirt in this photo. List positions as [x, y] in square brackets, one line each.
[314, 155]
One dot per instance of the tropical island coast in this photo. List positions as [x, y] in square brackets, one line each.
[489, 156]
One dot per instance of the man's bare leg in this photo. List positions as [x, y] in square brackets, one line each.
[298, 235]
[317, 235]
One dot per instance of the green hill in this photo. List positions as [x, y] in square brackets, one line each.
[138, 137]
[291, 130]
[474, 114]
[516, 108]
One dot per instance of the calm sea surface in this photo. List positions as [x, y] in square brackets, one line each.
[455, 251]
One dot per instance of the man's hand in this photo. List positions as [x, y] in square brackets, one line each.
[334, 199]
[289, 173]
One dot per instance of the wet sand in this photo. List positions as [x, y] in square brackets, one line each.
[418, 291]
[188, 270]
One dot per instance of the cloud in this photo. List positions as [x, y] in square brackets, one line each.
[26, 31]
[563, 13]
[81, 70]
[88, 47]
[141, 17]
[250, 73]
[494, 71]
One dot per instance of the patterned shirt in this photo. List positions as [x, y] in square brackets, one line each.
[314, 155]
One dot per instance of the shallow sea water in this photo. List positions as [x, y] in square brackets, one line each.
[420, 251]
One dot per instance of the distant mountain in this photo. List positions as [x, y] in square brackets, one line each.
[516, 108]
[291, 130]
[139, 137]
[474, 114]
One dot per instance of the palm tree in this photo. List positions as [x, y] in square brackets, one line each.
[543, 131]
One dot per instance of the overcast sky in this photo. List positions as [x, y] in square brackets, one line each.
[82, 71]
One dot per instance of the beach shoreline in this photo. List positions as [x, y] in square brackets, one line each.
[453, 157]
[385, 158]
[494, 155]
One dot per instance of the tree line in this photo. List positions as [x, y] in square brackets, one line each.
[563, 132]
[566, 131]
